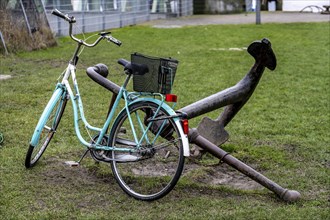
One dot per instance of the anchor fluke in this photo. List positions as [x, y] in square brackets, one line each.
[213, 131]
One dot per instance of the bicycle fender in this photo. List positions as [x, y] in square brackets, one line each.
[41, 123]
[185, 141]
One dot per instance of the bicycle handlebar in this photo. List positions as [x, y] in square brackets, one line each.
[71, 20]
[66, 17]
[113, 40]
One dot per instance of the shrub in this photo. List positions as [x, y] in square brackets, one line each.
[16, 34]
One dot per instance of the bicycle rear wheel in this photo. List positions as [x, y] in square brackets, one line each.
[152, 168]
[46, 128]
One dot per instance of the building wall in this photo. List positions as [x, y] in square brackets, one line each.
[218, 6]
[298, 5]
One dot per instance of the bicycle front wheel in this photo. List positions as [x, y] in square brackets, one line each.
[46, 128]
[155, 162]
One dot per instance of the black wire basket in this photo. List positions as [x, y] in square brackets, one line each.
[160, 75]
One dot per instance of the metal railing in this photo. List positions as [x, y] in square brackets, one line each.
[98, 15]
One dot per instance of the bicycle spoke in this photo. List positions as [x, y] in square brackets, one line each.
[158, 164]
[48, 130]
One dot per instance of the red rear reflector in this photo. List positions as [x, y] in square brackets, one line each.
[171, 98]
[185, 126]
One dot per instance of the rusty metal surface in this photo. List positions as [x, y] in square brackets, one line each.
[211, 133]
[234, 97]
[282, 193]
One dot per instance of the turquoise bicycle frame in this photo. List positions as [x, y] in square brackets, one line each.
[64, 88]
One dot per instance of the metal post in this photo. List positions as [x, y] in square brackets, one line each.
[120, 9]
[3, 42]
[148, 9]
[258, 8]
[26, 19]
[135, 6]
[84, 7]
[103, 14]
[44, 13]
[59, 31]
[180, 8]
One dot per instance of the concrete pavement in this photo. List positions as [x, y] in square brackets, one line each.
[249, 18]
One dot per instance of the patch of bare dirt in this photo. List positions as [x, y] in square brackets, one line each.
[58, 173]
[215, 175]
[219, 175]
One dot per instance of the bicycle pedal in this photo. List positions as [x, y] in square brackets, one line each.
[71, 163]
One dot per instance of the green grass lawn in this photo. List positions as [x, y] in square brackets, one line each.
[282, 132]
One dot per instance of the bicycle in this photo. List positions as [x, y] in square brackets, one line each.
[147, 141]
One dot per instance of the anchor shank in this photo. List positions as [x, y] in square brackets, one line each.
[239, 93]
[213, 102]
[250, 81]
[285, 194]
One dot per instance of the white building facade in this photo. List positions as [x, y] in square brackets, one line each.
[298, 5]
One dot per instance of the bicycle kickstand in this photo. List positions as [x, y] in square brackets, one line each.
[77, 163]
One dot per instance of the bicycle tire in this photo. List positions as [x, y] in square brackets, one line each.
[49, 125]
[154, 176]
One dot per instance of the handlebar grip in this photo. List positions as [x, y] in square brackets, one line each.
[117, 42]
[58, 13]
[114, 40]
